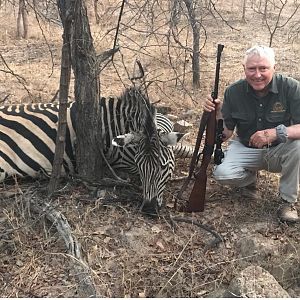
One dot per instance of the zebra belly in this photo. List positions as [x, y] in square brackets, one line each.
[21, 162]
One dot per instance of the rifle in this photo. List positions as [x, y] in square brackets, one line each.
[208, 121]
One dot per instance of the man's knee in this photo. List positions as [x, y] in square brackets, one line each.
[294, 148]
[291, 152]
[237, 176]
[224, 173]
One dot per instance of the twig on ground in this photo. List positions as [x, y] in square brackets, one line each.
[218, 239]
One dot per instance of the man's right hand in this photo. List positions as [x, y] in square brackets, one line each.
[210, 106]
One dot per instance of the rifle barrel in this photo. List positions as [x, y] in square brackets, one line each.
[196, 201]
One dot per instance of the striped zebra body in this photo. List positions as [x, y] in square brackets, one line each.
[144, 141]
[27, 140]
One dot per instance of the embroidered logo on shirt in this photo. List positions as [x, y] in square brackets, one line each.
[278, 107]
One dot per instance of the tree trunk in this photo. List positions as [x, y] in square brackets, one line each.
[196, 42]
[265, 10]
[66, 14]
[244, 11]
[96, 11]
[22, 21]
[87, 95]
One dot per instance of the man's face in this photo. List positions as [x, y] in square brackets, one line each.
[259, 72]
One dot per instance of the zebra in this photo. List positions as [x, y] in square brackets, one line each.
[136, 139]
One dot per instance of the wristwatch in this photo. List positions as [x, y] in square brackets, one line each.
[281, 133]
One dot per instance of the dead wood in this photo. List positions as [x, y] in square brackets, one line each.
[218, 239]
[82, 272]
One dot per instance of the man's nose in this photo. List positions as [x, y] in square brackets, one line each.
[257, 73]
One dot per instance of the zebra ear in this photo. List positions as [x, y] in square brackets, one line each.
[125, 140]
[172, 138]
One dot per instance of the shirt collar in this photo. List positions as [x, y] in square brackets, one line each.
[273, 85]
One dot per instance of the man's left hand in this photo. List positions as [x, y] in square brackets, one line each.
[263, 138]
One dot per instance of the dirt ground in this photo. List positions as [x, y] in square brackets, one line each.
[129, 254]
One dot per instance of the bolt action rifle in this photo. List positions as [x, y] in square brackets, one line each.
[213, 142]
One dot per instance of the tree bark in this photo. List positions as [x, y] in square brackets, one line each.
[244, 11]
[96, 11]
[22, 21]
[196, 43]
[66, 10]
[87, 95]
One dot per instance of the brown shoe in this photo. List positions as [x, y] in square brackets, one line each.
[288, 213]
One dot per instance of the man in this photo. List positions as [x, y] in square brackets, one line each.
[264, 109]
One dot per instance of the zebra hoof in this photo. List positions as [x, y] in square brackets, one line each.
[150, 209]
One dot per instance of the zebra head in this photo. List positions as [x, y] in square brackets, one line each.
[154, 158]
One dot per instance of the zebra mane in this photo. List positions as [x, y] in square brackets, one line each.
[145, 111]
[135, 98]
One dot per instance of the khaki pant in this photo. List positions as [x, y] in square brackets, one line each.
[241, 163]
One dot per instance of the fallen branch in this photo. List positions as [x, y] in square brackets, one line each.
[83, 273]
[218, 239]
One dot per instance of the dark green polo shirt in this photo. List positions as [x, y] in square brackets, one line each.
[247, 113]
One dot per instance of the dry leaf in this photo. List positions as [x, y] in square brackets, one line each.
[106, 240]
[155, 229]
[160, 245]
[142, 295]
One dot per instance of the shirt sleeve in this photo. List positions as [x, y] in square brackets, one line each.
[294, 97]
[226, 111]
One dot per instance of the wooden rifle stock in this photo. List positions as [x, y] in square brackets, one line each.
[196, 201]
[195, 157]
[197, 197]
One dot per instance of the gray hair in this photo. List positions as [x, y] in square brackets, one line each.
[261, 51]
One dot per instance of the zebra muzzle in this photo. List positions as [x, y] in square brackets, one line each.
[150, 208]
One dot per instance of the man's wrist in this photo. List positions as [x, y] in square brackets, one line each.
[281, 133]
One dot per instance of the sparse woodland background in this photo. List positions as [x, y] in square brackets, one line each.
[127, 254]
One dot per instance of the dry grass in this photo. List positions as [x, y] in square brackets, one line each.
[131, 255]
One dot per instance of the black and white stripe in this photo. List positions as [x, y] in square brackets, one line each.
[27, 140]
[144, 139]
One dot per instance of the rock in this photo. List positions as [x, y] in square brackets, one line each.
[172, 117]
[182, 126]
[188, 114]
[164, 109]
[268, 253]
[260, 227]
[255, 282]
[285, 268]
[217, 293]
[257, 247]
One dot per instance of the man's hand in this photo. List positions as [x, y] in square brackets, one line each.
[210, 105]
[263, 138]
